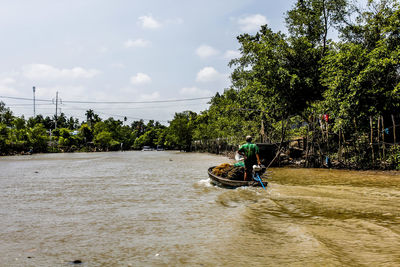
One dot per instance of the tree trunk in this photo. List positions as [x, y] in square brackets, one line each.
[372, 136]
[325, 27]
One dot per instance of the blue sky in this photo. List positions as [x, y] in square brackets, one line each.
[124, 51]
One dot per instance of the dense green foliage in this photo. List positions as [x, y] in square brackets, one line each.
[282, 85]
[38, 134]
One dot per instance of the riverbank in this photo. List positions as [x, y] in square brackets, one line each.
[283, 160]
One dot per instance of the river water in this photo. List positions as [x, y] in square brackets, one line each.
[159, 209]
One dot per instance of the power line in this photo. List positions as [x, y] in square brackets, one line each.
[111, 102]
[51, 102]
[24, 98]
[117, 115]
[27, 105]
[132, 118]
[136, 102]
[135, 108]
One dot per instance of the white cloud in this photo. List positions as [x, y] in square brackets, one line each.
[252, 22]
[103, 49]
[7, 80]
[148, 22]
[140, 78]
[208, 74]
[118, 65]
[128, 91]
[195, 92]
[149, 97]
[205, 51]
[8, 91]
[68, 92]
[136, 43]
[176, 21]
[48, 72]
[6, 87]
[231, 54]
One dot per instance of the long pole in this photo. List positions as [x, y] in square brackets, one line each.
[383, 138]
[394, 130]
[340, 145]
[56, 110]
[34, 104]
[379, 133]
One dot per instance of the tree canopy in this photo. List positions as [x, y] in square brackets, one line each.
[336, 59]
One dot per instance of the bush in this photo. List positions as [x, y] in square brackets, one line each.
[394, 157]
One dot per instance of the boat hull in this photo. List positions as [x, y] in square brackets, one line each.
[223, 182]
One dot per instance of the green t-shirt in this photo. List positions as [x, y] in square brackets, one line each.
[250, 150]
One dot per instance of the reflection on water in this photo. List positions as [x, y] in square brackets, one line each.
[159, 209]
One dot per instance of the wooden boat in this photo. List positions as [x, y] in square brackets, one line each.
[223, 182]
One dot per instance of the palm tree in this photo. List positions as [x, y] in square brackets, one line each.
[89, 116]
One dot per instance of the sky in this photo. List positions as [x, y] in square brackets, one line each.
[123, 51]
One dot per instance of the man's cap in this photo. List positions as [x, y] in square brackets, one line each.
[249, 138]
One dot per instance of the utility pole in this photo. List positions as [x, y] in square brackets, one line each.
[55, 123]
[34, 106]
[56, 110]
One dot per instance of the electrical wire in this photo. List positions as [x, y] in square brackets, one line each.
[110, 102]
[23, 98]
[27, 105]
[136, 102]
[114, 115]
[64, 102]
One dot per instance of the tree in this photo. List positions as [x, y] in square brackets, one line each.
[38, 138]
[86, 133]
[4, 137]
[48, 123]
[19, 123]
[105, 141]
[181, 128]
[68, 140]
[89, 116]
[276, 75]
[61, 120]
[139, 127]
[363, 76]
[147, 139]
[312, 20]
[72, 123]
[370, 24]
[6, 115]
[34, 120]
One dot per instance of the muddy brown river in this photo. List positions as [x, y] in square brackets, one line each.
[159, 209]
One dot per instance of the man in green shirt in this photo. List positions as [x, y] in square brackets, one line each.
[250, 152]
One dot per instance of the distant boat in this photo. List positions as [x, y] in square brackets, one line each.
[147, 148]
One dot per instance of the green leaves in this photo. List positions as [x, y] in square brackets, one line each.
[38, 138]
[362, 76]
[181, 130]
